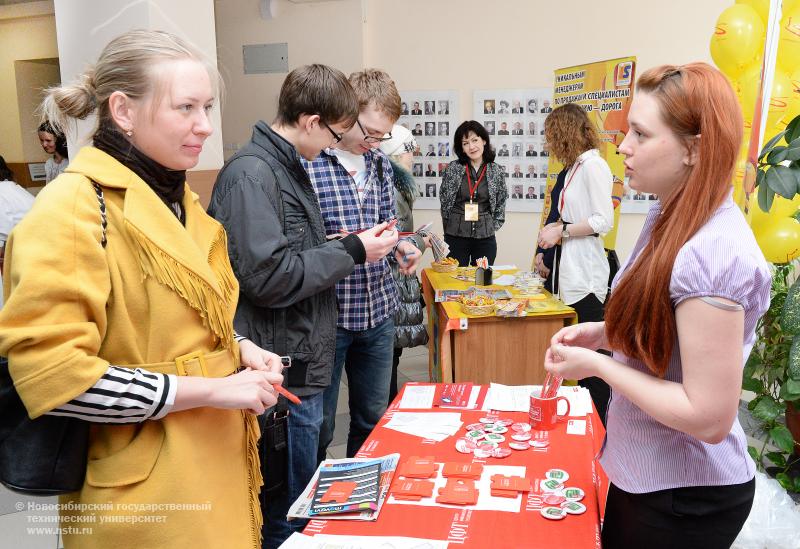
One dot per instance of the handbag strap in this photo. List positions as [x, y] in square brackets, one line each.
[103, 218]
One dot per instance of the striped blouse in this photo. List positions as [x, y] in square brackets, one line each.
[125, 395]
[643, 455]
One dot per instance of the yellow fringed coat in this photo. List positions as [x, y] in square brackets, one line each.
[156, 292]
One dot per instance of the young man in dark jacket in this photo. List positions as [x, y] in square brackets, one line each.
[286, 267]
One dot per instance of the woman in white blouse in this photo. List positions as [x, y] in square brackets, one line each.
[585, 213]
[53, 143]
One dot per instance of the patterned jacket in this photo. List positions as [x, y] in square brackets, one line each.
[498, 192]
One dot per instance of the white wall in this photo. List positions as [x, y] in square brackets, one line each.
[84, 27]
[462, 45]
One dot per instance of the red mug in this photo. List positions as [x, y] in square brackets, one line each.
[543, 412]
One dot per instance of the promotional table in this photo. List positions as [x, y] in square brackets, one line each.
[490, 348]
[472, 528]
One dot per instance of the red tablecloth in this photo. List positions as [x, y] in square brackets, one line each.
[481, 528]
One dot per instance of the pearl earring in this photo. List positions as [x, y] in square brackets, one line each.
[129, 132]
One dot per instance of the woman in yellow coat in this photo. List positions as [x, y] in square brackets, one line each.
[121, 313]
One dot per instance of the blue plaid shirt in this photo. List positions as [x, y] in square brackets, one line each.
[369, 295]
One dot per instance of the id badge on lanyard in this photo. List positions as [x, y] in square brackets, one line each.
[471, 208]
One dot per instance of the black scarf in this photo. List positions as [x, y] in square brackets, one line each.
[167, 184]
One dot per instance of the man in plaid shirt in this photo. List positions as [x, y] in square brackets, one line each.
[354, 184]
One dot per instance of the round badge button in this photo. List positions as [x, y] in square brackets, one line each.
[553, 513]
[497, 429]
[554, 499]
[557, 474]
[494, 437]
[482, 452]
[573, 507]
[474, 435]
[551, 485]
[521, 427]
[465, 446]
[539, 443]
[501, 452]
[505, 422]
[573, 494]
[487, 419]
[518, 445]
[521, 437]
[486, 444]
[488, 427]
[475, 427]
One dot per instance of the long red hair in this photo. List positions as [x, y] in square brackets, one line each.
[695, 99]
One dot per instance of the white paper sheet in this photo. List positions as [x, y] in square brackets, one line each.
[508, 398]
[580, 400]
[504, 280]
[418, 396]
[329, 541]
[429, 425]
[516, 398]
[503, 267]
[486, 502]
[576, 427]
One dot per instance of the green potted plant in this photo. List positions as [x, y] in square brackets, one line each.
[772, 371]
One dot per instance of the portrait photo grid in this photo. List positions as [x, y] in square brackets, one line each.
[432, 117]
[514, 120]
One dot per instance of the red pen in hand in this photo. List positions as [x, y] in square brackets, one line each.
[281, 391]
[388, 227]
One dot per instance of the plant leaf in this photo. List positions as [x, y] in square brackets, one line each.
[793, 366]
[790, 315]
[793, 150]
[790, 391]
[765, 193]
[796, 487]
[777, 458]
[792, 131]
[753, 403]
[784, 480]
[752, 384]
[782, 180]
[777, 155]
[782, 438]
[753, 454]
[771, 142]
[767, 409]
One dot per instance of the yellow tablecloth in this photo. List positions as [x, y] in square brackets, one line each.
[447, 281]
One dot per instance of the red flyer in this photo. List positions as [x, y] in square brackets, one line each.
[453, 395]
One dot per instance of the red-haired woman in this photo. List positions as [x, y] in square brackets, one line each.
[681, 322]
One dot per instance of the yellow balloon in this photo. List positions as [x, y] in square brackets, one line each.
[738, 39]
[761, 7]
[779, 240]
[781, 207]
[783, 95]
[749, 84]
[789, 44]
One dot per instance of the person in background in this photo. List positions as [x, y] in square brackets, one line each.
[580, 211]
[355, 187]
[681, 321]
[119, 310]
[286, 266]
[54, 143]
[14, 204]
[473, 196]
[409, 328]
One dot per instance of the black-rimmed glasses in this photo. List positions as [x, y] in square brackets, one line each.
[372, 139]
[336, 136]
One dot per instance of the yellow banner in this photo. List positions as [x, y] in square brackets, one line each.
[605, 90]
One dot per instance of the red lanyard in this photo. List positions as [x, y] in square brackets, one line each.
[472, 188]
[564, 190]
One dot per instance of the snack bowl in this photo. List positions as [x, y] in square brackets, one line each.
[446, 265]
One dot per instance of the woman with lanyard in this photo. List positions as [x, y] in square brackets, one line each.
[472, 196]
[585, 211]
[681, 322]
